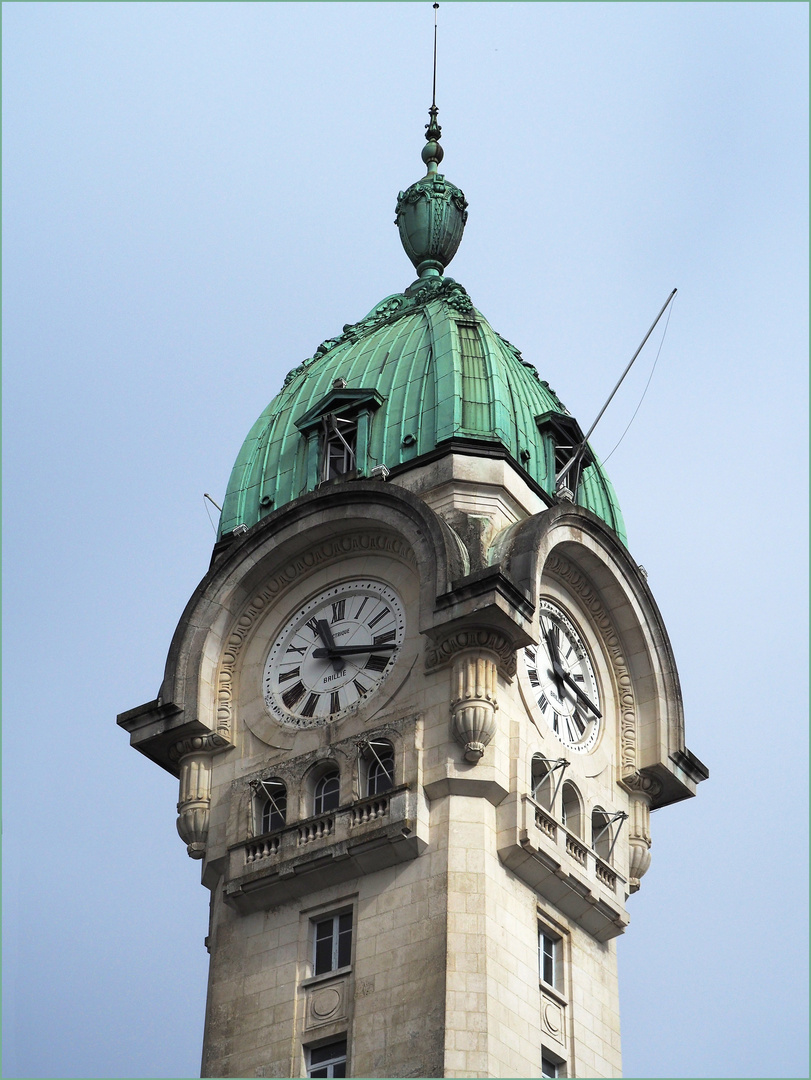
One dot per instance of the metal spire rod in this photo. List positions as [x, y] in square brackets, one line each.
[579, 451]
[433, 95]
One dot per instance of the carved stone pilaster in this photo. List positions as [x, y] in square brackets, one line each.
[473, 704]
[194, 802]
[642, 790]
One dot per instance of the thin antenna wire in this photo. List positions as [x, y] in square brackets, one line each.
[647, 384]
[207, 496]
[433, 96]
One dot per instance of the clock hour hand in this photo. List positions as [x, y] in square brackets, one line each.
[352, 650]
[331, 650]
[566, 677]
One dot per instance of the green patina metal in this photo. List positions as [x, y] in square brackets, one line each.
[424, 367]
[423, 370]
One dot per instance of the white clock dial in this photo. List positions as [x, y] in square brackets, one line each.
[562, 679]
[333, 653]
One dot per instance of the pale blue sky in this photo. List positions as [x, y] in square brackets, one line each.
[195, 196]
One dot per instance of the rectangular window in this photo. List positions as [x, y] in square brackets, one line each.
[329, 1060]
[548, 1067]
[548, 957]
[332, 948]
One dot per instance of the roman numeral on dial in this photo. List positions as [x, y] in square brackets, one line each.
[310, 704]
[291, 696]
[377, 663]
[288, 675]
[380, 615]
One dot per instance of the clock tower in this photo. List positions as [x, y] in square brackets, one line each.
[420, 708]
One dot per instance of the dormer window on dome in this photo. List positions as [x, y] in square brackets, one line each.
[563, 440]
[337, 431]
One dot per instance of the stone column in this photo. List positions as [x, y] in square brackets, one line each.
[473, 701]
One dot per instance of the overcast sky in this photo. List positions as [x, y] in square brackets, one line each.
[194, 197]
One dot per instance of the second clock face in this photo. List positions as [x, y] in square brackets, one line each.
[562, 679]
[333, 653]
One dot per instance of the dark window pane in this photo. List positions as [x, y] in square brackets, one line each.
[345, 940]
[327, 792]
[548, 1067]
[323, 947]
[339, 1068]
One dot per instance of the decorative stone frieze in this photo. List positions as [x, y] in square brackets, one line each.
[473, 702]
[197, 744]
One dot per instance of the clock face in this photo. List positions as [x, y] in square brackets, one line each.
[333, 653]
[562, 679]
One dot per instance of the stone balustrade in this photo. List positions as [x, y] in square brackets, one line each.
[560, 866]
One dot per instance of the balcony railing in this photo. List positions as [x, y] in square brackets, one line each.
[366, 835]
[560, 866]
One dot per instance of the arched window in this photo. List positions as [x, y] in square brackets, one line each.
[543, 782]
[273, 805]
[327, 792]
[571, 808]
[601, 832]
[378, 756]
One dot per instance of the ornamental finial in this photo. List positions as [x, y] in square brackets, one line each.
[431, 214]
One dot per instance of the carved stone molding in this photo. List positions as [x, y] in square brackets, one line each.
[563, 569]
[196, 744]
[444, 650]
[336, 547]
[326, 1004]
[639, 783]
[473, 704]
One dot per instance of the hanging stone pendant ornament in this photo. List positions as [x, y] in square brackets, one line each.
[431, 214]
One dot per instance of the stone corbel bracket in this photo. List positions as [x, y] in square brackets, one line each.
[479, 624]
[194, 757]
[643, 790]
[473, 701]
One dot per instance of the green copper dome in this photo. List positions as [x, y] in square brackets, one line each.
[423, 370]
[424, 373]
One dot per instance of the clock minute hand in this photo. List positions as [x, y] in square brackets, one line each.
[567, 678]
[351, 650]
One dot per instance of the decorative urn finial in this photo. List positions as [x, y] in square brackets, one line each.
[431, 214]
